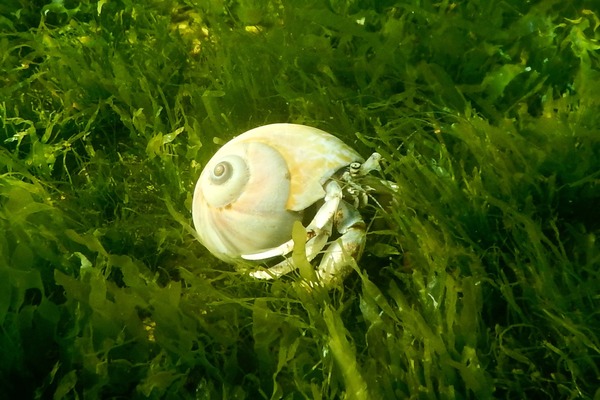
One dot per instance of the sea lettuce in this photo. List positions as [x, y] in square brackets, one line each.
[480, 274]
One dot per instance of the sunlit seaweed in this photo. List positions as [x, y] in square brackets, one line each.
[481, 280]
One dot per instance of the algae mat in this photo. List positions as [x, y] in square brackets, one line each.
[482, 281]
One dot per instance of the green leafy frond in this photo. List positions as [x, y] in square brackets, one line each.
[480, 274]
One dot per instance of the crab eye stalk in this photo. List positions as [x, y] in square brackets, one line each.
[355, 168]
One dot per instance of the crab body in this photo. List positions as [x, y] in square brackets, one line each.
[260, 183]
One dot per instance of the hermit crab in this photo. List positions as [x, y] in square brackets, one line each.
[258, 185]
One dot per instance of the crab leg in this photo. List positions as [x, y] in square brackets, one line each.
[339, 256]
[320, 229]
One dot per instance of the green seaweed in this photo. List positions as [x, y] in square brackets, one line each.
[481, 273]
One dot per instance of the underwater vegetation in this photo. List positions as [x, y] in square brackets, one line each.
[482, 281]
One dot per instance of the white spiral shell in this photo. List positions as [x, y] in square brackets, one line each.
[254, 188]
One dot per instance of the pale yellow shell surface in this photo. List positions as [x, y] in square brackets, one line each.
[254, 188]
[312, 156]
